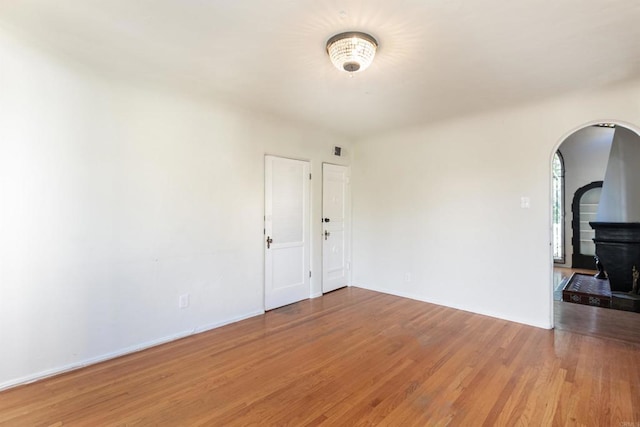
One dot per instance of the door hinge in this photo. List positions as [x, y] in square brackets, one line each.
[309, 176]
[309, 273]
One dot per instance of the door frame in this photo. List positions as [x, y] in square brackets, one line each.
[578, 260]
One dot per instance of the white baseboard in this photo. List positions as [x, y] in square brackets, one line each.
[457, 307]
[122, 352]
[215, 325]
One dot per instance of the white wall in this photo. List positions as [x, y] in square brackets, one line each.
[585, 155]
[115, 199]
[442, 203]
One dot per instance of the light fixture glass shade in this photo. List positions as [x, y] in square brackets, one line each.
[352, 51]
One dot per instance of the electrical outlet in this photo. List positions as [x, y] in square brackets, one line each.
[183, 301]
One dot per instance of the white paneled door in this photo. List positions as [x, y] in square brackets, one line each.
[286, 231]
[335, 227]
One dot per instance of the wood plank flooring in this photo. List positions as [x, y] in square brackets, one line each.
[352, 357]
[597, 321]
[593, 321]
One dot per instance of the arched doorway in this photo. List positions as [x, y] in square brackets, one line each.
[585, 152]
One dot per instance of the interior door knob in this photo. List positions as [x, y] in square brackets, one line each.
[327, 220]
[269, 242]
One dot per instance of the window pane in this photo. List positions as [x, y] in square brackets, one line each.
[558, 208]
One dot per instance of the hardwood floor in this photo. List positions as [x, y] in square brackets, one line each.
[593, 321]
[352, 357]
[597, 321]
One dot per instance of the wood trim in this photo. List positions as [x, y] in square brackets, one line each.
[578, 260]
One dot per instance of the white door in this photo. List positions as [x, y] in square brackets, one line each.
[286, 231]
[335, 227]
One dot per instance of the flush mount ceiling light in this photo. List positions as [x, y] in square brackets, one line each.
[352, 51]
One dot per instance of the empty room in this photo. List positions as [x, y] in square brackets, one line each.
[319, 212]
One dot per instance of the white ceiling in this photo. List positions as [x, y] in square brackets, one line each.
[437, 58]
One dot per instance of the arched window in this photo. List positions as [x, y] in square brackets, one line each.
[558, 208]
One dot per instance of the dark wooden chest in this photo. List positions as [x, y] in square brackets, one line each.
[586, 289]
